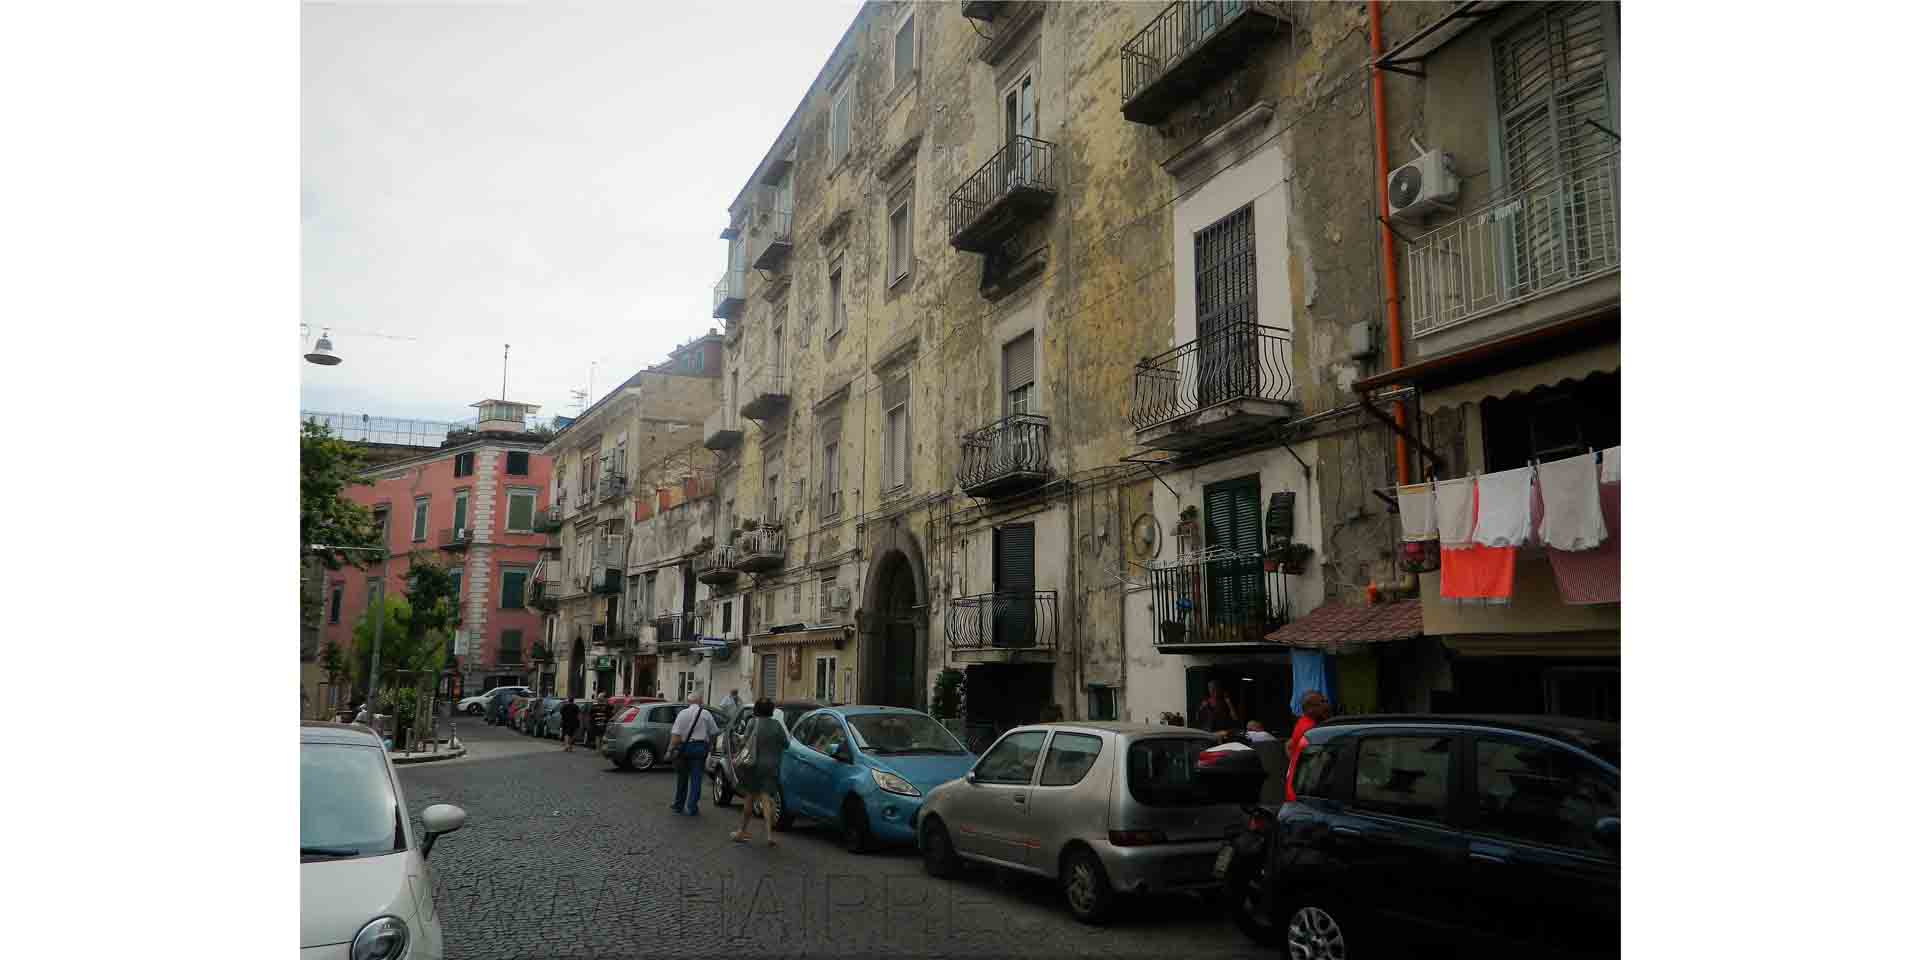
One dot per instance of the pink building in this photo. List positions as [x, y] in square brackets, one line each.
[476, 501]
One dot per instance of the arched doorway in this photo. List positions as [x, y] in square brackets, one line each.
[894, 622]
[577, 670]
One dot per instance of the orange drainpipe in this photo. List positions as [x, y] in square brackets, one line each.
[1396, 351]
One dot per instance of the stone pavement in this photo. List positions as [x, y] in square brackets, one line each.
[563, 856]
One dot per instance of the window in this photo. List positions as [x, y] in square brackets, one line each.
[420, 518]
[463, 464]
[726, 618]
[646, 596]
[894, 442]
[840, 124]
[1551, 423]
[1069, 759]
[829, 736]
[509, 646]
[1012, 759]
[825, 669]
[1403, 776]
[347, 800]
[900, 239]
[454, 575]
[830, 481]
[769, 674]
[1020, 121]
[1160, 772]
[1236, 588]
[1225, 310]
[517, 463]
[520, 511]
[793, 597]
[826, 599]
[513, 589]
[1017, 373]
[333, 603]
[380, 522]
[1102, 703]
[1535, 793]
[460, 510]
[773, 497]
[836, 300]
[1013, 581]
[1313, 774]
[903, 51]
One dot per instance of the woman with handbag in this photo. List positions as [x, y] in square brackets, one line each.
[757, 766]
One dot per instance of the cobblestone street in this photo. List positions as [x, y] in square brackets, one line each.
[563, 856]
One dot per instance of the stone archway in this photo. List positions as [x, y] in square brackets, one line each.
[577, 670]
[893, 621]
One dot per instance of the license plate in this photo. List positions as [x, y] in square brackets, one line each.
[1222, 861]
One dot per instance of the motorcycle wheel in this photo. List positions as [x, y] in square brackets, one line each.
[1246, 884]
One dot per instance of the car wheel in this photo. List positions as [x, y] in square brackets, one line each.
[1312, 932]
[782, 817]
[722, 792]
[1084, 881]
[1246, 886]
[473, 711]
[936, 850]
[640, 757]
[856, 833]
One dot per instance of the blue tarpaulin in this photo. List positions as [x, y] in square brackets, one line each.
[1309, 673]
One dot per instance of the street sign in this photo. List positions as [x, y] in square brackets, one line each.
[712, 641]
[603, 663]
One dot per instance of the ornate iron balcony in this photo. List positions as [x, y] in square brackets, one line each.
[1005, 457]
[456, 538]
[508, 657]
[1188, 46]
[1216, 598]
[719, 565]
[1235, 377]
[1010, 190]
[761, 550]
[550, 519]
[729, 295]
[673, 631]
[1540, 238]
[1007, 621]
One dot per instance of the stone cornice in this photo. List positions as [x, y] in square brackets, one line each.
[1217, 147]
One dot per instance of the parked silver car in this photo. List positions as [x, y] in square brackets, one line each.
[637, 736]
[720, 771]
[1102, 808]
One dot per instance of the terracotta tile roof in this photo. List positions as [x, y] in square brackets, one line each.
[1335, 626]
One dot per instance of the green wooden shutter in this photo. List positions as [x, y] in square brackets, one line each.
[1234, 587]
[513, 589]
[519, 511]
[1013, 585]
[460, 512]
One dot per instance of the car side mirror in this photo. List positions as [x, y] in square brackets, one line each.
[843, 753]
[972, 777]
[1607, 833]
[440, 818]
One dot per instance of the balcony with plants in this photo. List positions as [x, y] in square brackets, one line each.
[1221, 598]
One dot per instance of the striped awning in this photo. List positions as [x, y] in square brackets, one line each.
[801, 638]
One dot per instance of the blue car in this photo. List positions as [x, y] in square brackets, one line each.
[866, 770]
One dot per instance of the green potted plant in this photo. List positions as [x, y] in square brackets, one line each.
[750, 524]
[946, 700]
[1189, 525]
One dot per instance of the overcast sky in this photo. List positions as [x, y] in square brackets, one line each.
[549, 175]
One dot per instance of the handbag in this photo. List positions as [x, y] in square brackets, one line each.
[745, 757]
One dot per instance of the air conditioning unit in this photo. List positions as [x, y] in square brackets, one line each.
[1427, 185]
[842, 597]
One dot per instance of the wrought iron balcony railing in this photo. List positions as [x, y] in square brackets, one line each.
[1189, 45]
[1003, 621]
[1007, 456]
[1539, 238]
[456, 538]
[760, 550]
[550, 519]
[775, 240]
[718, 565]
[1010, 190]
[509, 657]
[1217, 597]
[729, 295]
[723, 429]
[612, 486]
[764, 394]
[673, 631]
[1236, 361]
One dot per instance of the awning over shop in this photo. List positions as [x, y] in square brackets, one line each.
[1546, 373]
[801, 638]
[1551, 342]
[1339, 627]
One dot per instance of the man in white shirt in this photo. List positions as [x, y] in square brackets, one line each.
[693, 730]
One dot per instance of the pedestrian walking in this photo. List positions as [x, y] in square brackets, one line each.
[728, 702]
[1313, 709]
[598, 715]
[757, 767]
[569, 724]
[693, 730]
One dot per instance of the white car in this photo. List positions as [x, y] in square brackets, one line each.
[366, 892]
[476, 705]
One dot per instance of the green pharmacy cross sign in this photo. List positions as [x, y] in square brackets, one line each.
[603, 663]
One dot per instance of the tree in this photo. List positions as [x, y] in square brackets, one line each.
[401, 650]
[328, 467]
[430, 595]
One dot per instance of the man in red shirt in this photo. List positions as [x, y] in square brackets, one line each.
[1313, 709]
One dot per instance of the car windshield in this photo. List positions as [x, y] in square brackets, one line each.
[347, 806]
[897, 733]
[1160, 772]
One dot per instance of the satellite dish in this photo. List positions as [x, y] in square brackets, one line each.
[1146, 536]
[323, 352]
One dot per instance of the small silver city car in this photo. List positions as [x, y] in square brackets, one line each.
[1102, 808]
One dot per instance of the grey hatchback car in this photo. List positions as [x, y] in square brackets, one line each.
[1101, 808]
[637, 736]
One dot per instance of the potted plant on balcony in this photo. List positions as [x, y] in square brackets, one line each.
[1293, 559]
[1189, 525]
[705, 544]
[946, 700]
[750, 524]
[1175, 630]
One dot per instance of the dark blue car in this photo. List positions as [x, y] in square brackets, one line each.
[866, 770]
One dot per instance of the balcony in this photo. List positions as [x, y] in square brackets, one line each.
[764, 395]
[761, 550]
[544, 594]
[673, 632]
[981, 9]
[551, 519]
[1019, 627]
[1215, 601]
[509, 657]
[718, 566]
[729, 295]
[1008, 457]
[775, 241]
[723, 430]
[1186, 48]
[456, 538]
[612, 486]
[1235, 379]
[1009, 191]
[1524, 247]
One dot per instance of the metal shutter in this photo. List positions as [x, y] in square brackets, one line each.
[769, 675]
[1018, 364]
[1013, 585]
[1234, 586]
[1225, 299]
